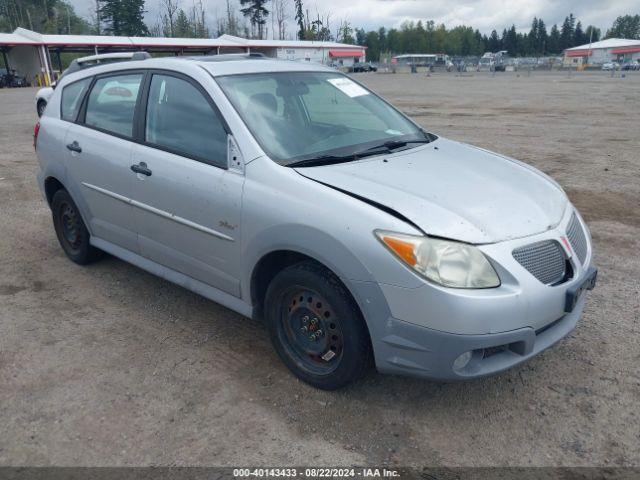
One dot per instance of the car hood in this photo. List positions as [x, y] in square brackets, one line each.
[452, 190]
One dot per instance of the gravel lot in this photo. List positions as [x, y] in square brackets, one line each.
[108, 365]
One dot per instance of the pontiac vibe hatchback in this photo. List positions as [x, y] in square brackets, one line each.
[288, 192]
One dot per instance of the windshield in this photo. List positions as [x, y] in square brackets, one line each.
[304, 115]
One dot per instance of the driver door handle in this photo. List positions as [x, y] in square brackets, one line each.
[141, 168]
[74, 147]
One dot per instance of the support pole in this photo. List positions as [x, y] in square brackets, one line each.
[6, 60]
[50, 64]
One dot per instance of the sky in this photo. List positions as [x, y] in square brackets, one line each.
[482, 14]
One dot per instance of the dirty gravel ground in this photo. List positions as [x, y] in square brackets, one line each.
[108, 365]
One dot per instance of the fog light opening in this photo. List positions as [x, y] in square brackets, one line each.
[462, 360]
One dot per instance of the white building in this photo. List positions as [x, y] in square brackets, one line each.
[609, 50]
[34, 55]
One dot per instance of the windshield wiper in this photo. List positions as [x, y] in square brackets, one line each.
[385, 147]
[322, 160]
[393, 144]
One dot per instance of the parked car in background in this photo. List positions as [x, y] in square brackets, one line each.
[43, 95]
[9, 79]
[630, 66]
[610, 66]
[364, 67]
[289, 192]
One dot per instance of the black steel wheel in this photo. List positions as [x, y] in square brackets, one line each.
[71, 230]
[310, 332]
[316, 327]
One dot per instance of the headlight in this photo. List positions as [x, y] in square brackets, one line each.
[451, 264]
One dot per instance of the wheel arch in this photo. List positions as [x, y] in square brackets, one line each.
[41, 101]
[282, 246]
[51, 186]
[267, 268]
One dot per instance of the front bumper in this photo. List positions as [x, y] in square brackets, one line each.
[422, 331]
[419, 351]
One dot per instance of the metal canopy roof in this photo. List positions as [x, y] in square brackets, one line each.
[608, 43]
[11, 39]
[23, 36]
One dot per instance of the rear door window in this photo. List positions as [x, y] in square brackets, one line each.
[181, 120]
[72, 96]
[112, 102]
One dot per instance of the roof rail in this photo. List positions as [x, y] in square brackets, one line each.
[102, 58]
[225, 57]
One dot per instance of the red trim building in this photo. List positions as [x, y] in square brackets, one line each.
[609, 50]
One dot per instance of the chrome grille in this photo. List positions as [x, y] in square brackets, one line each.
[577, 238]
[544, 260]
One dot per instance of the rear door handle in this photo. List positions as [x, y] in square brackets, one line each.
[141, 168]
[74, 147]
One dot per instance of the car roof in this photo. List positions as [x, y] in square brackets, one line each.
[215, 65]
[255, 65]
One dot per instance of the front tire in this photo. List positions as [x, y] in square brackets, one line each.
[315, 326]
[71, 230]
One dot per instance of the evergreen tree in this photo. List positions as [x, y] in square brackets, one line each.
[257, 13]
[393, 41]
[553, 44]
[578, 36]
[123, 17]
[533, 34]
[510, 41]
[541, 38]
[567, 32]
[494, 44]
[592, 34]
[300, 19]
[372, 42]
[382, 39]
[524, 44]
[627, 26]
[182, 28]
[485, 43]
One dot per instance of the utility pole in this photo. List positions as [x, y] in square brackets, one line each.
[589, 51]
[97, 17]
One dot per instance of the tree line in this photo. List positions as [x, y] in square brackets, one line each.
[48, 16]
[261, 18]
[418, 37]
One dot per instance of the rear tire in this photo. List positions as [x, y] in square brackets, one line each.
[40, 107]
[71, 230]
[315, 326]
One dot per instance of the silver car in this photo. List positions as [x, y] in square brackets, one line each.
[291, 193]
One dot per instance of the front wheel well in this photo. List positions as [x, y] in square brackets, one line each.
[269, 266]
[51, 186]
[266, 269]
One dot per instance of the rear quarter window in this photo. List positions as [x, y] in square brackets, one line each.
[72, 95]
